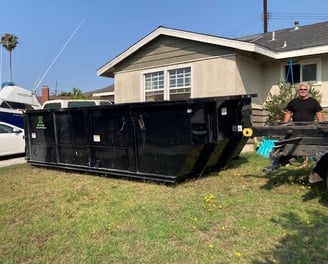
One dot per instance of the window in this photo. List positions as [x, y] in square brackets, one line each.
[6, 129]
[12, 105]
[169, 84]
[304, 71]
[309, 72]
[52, 106]
[179, 83]
[73, 104]
[154, 86]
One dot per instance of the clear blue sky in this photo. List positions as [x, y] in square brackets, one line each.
[110, 27]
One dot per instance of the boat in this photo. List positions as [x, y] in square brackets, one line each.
[14, 101]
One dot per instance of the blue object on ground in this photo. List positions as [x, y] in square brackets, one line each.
[266, 147]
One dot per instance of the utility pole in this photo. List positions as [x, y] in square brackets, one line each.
[265, 16]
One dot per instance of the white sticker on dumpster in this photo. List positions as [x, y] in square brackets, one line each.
[96, 138]
[224, 111]
[237, 128]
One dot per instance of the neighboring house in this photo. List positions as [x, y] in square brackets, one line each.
[106, 93]
[170, 64]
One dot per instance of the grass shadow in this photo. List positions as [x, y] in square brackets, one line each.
[285, 175]
[237, 162]
[303, 242]
[318, 191]
[292, 174]
[295, 175]
[214, 172]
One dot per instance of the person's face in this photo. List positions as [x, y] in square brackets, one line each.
[303, 91]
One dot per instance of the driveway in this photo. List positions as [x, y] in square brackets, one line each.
[7, 161]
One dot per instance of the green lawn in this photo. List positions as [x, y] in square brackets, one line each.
[238, 215]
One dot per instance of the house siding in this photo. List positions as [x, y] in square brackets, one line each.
[216, 73]
[215, 77]
[128, 87]
[249, 76]
[323, 88]
[212, 68]
[168, 50]
[216, 70]
[211, 77]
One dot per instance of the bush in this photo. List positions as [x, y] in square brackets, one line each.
[275, 104]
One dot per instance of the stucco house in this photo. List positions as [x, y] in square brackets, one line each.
[170, 64]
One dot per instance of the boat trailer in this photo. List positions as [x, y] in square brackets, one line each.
[297, 139]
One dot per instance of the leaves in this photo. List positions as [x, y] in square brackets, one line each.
[75, 94]
[9, 42]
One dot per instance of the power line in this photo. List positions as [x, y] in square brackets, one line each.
[60, 52]
[287, 16]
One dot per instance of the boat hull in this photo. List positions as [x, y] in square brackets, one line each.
[12, 116]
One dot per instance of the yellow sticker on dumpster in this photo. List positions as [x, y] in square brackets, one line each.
[247, 132]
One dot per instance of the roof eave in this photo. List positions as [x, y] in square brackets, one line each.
[108, 69]
[103, 94]
[302, 52]
[241, 45]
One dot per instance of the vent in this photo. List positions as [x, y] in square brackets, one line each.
[296, 24]
[284, 45]
[273, 36]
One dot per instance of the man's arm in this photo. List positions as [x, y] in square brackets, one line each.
[287, 116]
[319, 116]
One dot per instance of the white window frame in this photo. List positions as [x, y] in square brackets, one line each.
[167, 79]
[316, 61]
[155, 91]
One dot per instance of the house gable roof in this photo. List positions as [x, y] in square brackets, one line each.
[108, 68]
[292, 42]
[291, 39]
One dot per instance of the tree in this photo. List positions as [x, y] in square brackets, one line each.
[275, 104]
[9, 42]
[75, 94]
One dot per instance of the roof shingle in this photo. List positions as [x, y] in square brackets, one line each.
[292, 38]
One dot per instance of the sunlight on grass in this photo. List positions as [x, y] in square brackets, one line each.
[238, 215]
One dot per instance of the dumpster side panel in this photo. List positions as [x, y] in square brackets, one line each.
[163, 139]
[73, 137]
[234, 116]
[40, 137]
[112, 136]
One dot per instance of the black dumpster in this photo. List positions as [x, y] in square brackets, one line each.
[162, 141]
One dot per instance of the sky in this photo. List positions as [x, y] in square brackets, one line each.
[62, 43]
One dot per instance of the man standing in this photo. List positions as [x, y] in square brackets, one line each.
[304, 108]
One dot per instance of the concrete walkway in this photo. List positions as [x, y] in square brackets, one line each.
[11, 161]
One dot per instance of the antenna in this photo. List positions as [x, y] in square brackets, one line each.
[0, 65]
[59, 53]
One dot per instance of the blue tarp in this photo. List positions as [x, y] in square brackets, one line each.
[266, 147]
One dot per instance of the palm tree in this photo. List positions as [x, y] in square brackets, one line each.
[9, 42]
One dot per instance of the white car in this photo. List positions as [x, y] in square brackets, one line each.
[12, 140]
